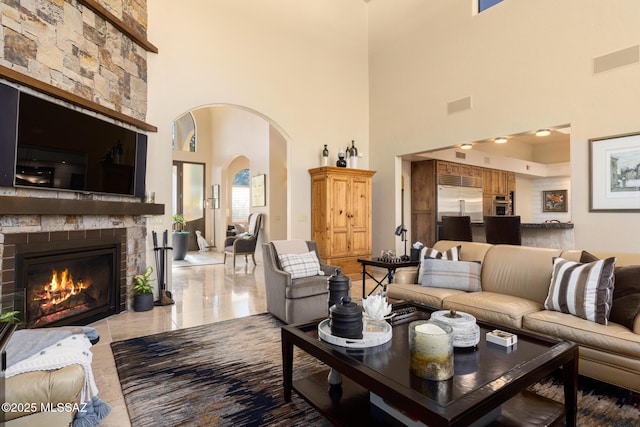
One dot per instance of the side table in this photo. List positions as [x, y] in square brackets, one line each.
[391, 265]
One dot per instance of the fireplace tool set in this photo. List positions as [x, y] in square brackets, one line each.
[162, 267]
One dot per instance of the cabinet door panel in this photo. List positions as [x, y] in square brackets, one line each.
[339, 206]
[360, 242]
[359, 214]
[340, 244]
[359, 208]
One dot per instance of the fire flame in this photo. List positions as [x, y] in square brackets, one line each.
[60, 288]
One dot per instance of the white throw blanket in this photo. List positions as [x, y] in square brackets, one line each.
[71, 350]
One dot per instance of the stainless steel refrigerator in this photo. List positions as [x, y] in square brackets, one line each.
[458, 200]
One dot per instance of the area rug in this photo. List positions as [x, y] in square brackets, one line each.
[195, 258]
[230, 374]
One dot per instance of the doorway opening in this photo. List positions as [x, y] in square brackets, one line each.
[189, 197]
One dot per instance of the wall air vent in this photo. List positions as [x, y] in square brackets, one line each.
[620, 58]
[459, 105]
[460, 181]
[460, 155]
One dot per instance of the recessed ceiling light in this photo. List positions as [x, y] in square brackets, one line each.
[466, 146]
[500, 140]
[543, 132]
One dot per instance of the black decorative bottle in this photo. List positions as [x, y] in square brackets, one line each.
[339, 286]
[341, 163]
[345, 320]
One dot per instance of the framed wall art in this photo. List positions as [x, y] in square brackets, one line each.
[258, 190]
[614, 173]
[554, 201]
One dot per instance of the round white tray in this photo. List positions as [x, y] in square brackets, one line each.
[369, 339]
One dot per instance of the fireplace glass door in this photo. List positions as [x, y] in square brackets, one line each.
[71, 285]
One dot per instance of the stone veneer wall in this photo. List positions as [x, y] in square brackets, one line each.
[66, 45]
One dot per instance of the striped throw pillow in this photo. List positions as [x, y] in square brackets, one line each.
[301, 265]
[584, 290]
[440, 273]
[452, 254]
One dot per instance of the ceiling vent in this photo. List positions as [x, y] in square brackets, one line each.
[460, 155]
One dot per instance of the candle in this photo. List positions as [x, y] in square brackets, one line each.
[431, 349]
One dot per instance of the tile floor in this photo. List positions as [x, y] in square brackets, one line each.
[203, 294]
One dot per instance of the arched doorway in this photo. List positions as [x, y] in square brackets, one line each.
[223, 134]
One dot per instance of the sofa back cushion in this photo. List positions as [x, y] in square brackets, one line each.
[469, 251]
[520, 271]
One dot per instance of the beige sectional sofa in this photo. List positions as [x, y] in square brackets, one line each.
[515, 282]
[42, 388]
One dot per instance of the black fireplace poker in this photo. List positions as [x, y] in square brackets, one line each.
[165, 297]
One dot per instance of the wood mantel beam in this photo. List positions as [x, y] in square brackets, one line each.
[119, 24]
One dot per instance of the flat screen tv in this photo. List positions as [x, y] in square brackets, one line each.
[63, 149]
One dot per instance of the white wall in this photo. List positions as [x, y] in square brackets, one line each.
[549, 184]
[526, 65]
[303, 65]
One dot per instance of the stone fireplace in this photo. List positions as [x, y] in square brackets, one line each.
[98, 63]
[32, 246]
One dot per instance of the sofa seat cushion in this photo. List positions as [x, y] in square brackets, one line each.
[307, 286]
[500, 309]
[432, 297]
[613, 338]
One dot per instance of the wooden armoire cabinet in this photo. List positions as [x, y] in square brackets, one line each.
[341, 216]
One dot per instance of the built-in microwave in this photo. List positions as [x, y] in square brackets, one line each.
[502, 206]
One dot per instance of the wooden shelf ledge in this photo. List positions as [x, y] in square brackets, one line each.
[14, 205]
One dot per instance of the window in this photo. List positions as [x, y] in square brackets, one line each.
[184, 134]
[240, 196]
[486, 4]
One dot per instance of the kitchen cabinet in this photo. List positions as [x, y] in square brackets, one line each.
[423, 201]
[494, 182]
[511, 182]
[341, 215]
[458, 169]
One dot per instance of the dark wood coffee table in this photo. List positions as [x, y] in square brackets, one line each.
[486, 378]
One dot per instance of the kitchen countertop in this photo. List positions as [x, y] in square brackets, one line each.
[537, 225]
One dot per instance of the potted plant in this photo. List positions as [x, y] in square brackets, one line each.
[178, 222]
[9, 317]
[143, 290]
